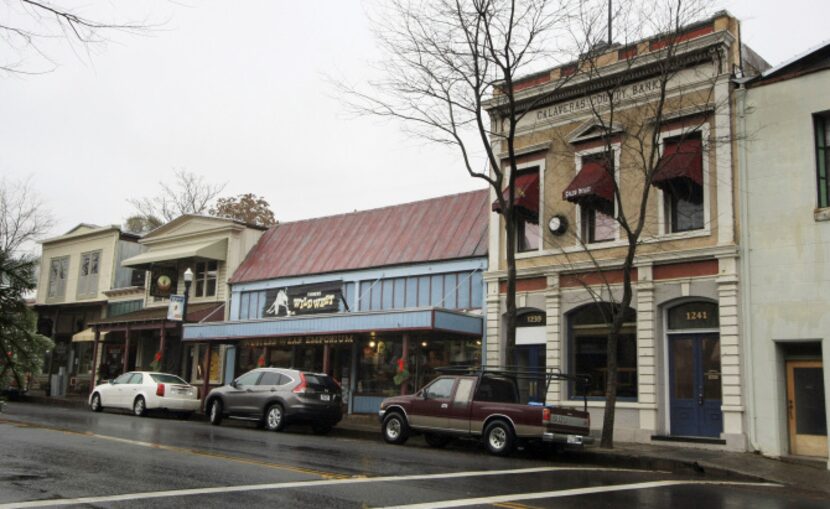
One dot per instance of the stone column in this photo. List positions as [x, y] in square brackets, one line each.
[494, 350]
[730, 348]
[557, 391]
[646, 354]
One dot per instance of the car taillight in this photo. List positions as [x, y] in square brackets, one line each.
[546, 415]
[301, 387]
[160, 390]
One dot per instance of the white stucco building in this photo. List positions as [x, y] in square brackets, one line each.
[784, 116]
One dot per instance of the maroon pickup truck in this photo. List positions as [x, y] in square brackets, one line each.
[481, 403]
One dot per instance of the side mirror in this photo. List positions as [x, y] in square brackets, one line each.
[234, 384]
[423, 395]
[111, 381]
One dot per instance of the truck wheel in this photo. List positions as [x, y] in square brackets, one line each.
[436, 440]
[499, 439]
[395, 429]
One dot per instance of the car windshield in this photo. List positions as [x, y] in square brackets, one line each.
[320, 382]
[162, 378]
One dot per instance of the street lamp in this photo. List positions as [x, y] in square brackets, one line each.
[188, 279]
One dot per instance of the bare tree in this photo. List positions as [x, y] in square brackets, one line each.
[247, 208]
[190, 194]
[27, 27]
[449, 59]
[23, 215]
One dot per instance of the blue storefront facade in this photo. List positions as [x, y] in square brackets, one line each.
[382, 323]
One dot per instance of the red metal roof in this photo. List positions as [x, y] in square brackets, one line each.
[444, 228]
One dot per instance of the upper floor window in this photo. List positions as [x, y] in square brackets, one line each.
[88, 274]
[598, 224]
[525, 209]
[138, 277]
[205, 278]
[822, 129]
[679, 175]
[593, 191]
[58, 270]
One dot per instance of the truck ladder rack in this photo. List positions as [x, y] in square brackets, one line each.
[524, 373]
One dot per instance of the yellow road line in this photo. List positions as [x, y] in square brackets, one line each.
[514, 505]
[184, 450]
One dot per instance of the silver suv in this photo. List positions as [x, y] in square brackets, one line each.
[276, 397]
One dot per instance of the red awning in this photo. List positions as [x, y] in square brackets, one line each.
[526, 194]
[681, 160]
[593, 181]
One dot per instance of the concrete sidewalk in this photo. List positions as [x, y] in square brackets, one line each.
[809, 476]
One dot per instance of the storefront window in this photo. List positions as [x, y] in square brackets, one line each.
[382, 371]
[378, 366]
[589, 341]
[216, 370]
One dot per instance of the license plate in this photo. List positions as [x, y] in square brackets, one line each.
[325, 397]
[574, 439]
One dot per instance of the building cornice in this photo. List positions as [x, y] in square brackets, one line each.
[615, 75]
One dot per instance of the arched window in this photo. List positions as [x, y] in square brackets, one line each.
[589, 328]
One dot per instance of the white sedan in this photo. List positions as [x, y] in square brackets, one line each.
[141, 391]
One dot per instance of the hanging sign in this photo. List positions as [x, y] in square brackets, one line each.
[303, 300]
[175, 308]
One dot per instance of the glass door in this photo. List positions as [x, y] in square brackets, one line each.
[806, 414]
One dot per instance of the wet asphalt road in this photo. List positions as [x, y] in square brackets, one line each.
[52, 456]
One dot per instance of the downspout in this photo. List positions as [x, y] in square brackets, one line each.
[483, 321]
[745, 295]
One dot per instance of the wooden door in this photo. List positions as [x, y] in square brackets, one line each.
[806, 413]
[695, 385]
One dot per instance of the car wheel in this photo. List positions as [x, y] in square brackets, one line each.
[95, 405]
[215, 412]
[499, 438]
[274, 417]
[436, 440]
[320, 429]
[395, 429]
[139, 407]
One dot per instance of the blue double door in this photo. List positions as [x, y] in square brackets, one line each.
[695, 385]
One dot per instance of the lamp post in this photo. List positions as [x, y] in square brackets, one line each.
[188, 279]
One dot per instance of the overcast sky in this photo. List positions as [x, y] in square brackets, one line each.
[236, 92]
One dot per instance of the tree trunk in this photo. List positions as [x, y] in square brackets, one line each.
[612, 367]
[510, 243]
